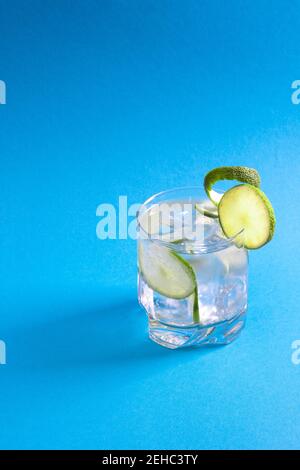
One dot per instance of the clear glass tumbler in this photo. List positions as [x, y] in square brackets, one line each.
[192, 280]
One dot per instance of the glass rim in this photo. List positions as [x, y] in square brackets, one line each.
[198, 247]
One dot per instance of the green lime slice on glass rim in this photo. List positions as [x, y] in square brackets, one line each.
[243, 208]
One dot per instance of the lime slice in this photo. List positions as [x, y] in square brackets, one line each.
[238, 173]
[168, 273]
[246, 208]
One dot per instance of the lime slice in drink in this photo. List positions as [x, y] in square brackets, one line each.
[242, 174]
[165, 271]
[246, 208]
[168, 273]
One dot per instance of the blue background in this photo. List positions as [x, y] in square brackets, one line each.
[109, 98]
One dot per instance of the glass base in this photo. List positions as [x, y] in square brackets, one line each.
[174, 337]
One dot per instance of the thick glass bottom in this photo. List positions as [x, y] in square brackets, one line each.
[174, 337]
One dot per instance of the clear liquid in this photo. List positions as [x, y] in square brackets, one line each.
[222, 290]
[222, 295]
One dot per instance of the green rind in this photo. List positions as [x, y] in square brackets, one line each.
[196, 314]
[270, 210]
[242, 174]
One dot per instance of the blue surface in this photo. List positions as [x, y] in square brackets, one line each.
[111, 97]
